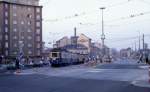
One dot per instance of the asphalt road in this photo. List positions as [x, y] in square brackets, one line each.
[119, 66]
[112, 78]
[42, 83]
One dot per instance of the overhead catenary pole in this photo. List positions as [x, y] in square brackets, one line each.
[143, 43]
[135, 47]
[139, 41]
[103, 34]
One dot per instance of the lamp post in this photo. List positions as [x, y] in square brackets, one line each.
[103, 34]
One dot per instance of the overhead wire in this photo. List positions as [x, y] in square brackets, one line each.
[83, 13]
[127, 38]
[144, 1]
[118, 19]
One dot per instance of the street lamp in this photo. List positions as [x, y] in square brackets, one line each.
[103, 34]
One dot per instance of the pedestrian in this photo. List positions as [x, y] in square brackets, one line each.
[140, 59]
[17, 64]
[0, 59]
[146, 60]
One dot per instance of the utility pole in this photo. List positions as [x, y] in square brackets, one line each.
[139, 41]
[143, 43]
[75, 37]
[103, 34]
[135, 47]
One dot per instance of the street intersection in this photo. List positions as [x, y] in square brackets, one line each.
[121, 76]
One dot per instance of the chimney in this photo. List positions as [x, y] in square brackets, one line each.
[75, 31]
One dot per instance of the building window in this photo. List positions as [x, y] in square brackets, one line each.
[6, 44]
[22, 22]
[15, 37]
[14, 22]
[38, 46]
[29, 45]
[29, 52]
[6, 52]
[38, 10]
[29, 2]
[38, 24]
[6, 29]
[38, 17]
[6, 14]
[6, 37]
[38, 38]
[15, 45]
[15, 30]
[29, 9]
[6, 21]
[6, 5]
[14, 14]
[38, 31]
[1, 37]
[14, 7]
[29, 30]
[22, 37]
[38, 52]
[29, 37]
[29, 16]
[29, 22]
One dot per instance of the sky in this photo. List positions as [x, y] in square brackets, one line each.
[124, 20]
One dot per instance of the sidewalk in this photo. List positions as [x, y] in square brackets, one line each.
[142, 81]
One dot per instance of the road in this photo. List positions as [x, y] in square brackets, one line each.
[115, 77]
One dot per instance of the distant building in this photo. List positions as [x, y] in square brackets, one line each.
[126, 52]
[95, 51]
[20, 27]
[81, 44]
[81, 49]
[84, 40]
[63, 42]
[97, 44]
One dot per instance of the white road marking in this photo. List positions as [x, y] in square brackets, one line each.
[144, 67]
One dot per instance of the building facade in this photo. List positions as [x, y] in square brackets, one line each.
[126, 53]
[63, 42]
[84, 40]
[20, 28]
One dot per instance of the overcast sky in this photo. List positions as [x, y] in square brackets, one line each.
[120, 29]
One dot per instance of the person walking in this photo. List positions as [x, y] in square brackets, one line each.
[17, 66]
[0, 59]
[140, 58]
[146, 59]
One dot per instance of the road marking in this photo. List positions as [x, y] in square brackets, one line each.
[144, 67]
[141, 83]
[95, 70]
[23, 73]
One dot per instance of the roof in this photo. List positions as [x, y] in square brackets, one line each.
[20, 4]
[84, 36]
